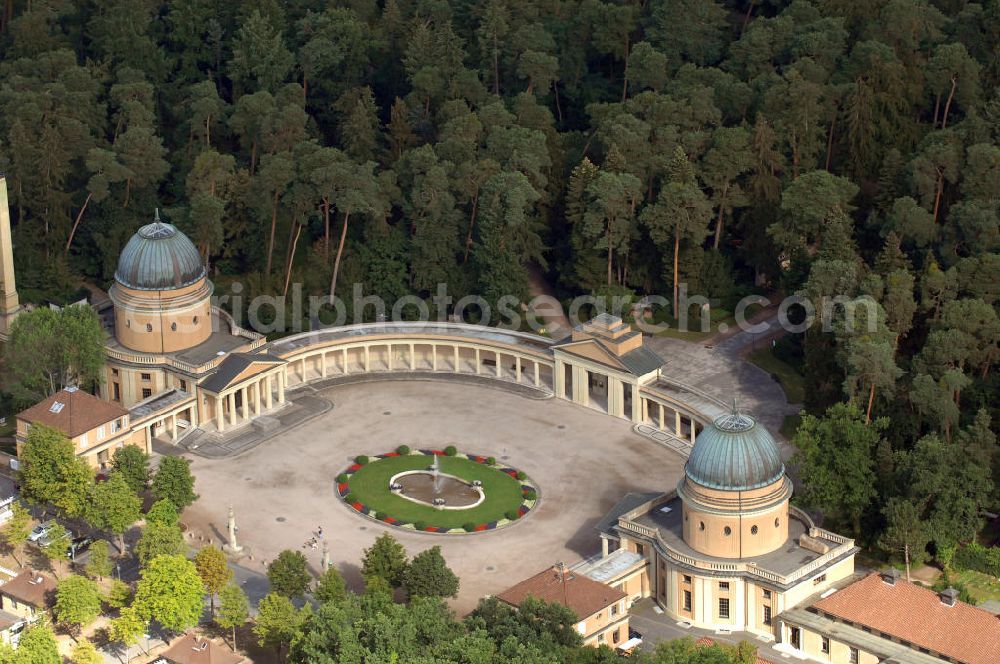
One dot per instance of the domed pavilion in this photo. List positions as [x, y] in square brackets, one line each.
[725, 549]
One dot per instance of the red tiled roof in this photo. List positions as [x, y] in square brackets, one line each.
[78, 413]
[194, 649]
[915, 614]
[31, 587]
[580, 593]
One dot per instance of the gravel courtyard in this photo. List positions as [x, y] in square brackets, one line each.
[283, 490]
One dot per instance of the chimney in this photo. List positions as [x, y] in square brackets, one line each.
[949, 597]
[890, 576]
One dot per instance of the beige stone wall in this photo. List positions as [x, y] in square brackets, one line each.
[736, 536]
[19, 609]
[811, 643]
[817, 583]
[600, 622]
[163, 321]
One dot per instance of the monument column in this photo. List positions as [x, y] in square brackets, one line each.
[9, 304]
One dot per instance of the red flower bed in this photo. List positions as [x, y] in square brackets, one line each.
[354, 468]
[358, 506]
[342, 487]
[480, 528]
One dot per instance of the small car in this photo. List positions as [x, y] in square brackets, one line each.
[77, 546]
[39, 531]
[49, 537]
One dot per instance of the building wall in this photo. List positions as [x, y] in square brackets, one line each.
[612, 621]
[19, 609]
[811, 643]
[163, 321]
[97, 445]
[731, 524]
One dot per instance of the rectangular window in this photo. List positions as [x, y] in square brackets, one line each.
[819, 579]
[687, 600]
[100, 433]
[767, 594]
[854, 656]
[614, 609]
[767, 615]
[184, 385]
[146, 393]
[687, 579]
[824, 646]
[723, 585]
[639, 549]
[118, 392]
[614, 636]
[724, 607]
[83, 440]
[146, 376]
[114, 372]
[600, 638]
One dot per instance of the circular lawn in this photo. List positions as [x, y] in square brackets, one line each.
[509, 494]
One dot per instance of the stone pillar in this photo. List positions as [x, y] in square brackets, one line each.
[559, 379]
[245, 393]
[388, 361]
[604, 547]
[173, 427]
[677, 423]
[498, 364]
[616, 397]
[479, 363]
[345, 363]
[434, 357]
[367, 359]
[456, 366]
[231, 397]
[581, 386]
[538, 379]
[149, 440]
[281, 388]
[257, 387]
[662, 423]
[322, 364]
[637, 410]
[267, 391]
[413, 359]
[694, 430]
[232, 546]
[517, 368]
[220, 416]
[324, 563]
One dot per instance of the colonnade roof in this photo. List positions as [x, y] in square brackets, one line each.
[490, 335]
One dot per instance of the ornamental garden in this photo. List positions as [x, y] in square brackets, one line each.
[437, 491]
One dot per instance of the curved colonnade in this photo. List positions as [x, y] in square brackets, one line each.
[513, 358]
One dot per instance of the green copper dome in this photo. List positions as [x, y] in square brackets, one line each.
[734, 453]
[159, 257]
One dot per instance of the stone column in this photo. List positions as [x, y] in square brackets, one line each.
[479, 364]
[281, 388]
[322, 363]
[231, 397]
[413, 359]
[637, 411]
[677, 423]
[173, 427]
[220, 416]
[232, 546]
[517, 368]
[434, 357]
[149, 440]
[662, 423]
[346, 371]
[257, 387]
[694, 430]
[367, 358]
[559, 379]
[388, 361]
[538, 380]
[245, 393]
[456, 366]
[267, 393]
[498, 363]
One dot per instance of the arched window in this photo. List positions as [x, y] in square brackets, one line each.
[701, 525]
[173, 327]
[753, 530]
[149, 327]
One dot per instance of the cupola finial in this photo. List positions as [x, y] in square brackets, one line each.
[156, 216]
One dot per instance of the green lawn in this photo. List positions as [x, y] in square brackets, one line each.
[370, 484]
[981, 587]
[791, 380]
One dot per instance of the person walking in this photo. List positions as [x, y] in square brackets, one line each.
[319, 532]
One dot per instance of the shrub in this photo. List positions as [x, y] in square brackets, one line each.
[491, 461]
[530, 495]
[512, 515]
[351, 498]
[343, 477]
[468, 527]
[450, 451]
[361, 459]
[420, 525]
[979, 558]
[402, 450]
[521, 475]
[377, 515]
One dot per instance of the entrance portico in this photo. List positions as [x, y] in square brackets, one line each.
[244, 387]
[603, 365]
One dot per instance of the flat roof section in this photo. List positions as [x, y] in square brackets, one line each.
[158, 403]
[783, 561]
[617, 563]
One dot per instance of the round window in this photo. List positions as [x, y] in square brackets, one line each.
[728, 531]
[128, 323]
[753, 530]
[701, 525]
[173, 327]
[149, 327]
[777, 522]
[195, 320]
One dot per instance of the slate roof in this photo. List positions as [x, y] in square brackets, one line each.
[233, 366]
[915, 614]
[73, 412]
[581, 594]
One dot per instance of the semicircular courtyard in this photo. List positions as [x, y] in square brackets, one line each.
[581, 461]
